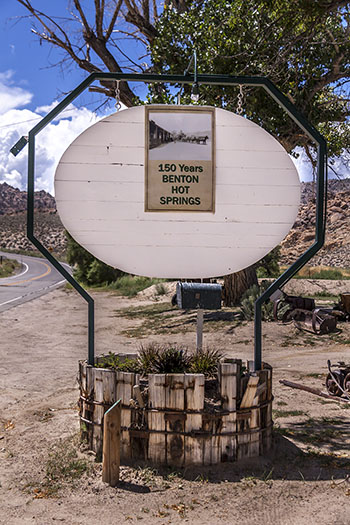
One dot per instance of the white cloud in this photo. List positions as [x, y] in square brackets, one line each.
[11, 96]
[51, 142]
[340, 166]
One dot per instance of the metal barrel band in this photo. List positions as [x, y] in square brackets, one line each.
[93, 402]
[89, 422]
[195, 433]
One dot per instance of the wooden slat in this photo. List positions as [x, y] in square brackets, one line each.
[119, 210]
[98, 411]
[228, 385]
[194, 388]
[249, 394]
[133, 191]
[156, 391]
[157, 441]
[175, 394]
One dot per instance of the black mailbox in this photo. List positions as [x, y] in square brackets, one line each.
[198, 296]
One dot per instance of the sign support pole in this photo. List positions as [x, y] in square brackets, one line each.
[200, 316]
[221, 80]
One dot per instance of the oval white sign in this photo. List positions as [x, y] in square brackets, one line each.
[189, 196]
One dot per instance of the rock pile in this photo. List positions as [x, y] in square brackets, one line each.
[336, 251]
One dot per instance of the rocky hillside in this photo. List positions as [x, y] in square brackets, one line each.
[336, 251]
[14, 201]
[48, 227]
[50, 231]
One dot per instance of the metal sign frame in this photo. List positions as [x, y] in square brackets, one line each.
[221, 80]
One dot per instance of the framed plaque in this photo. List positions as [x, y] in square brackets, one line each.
[180, 159]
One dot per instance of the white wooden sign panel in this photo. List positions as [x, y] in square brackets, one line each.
[100, 195]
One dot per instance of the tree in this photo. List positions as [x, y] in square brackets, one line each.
[88, 269]
[302, 46]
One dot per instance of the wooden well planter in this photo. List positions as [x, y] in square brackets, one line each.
[179, 424]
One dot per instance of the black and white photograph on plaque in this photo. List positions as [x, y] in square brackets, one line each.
[181, 135]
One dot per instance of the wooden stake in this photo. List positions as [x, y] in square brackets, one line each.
[111, 444]
[200, 315]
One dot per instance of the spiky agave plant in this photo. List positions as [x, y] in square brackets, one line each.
[147, 357]
[206, 361]
[172, 360]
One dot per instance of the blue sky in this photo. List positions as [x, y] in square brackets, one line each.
[30, 86]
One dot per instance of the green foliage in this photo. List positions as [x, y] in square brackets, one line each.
[172, 360]
[154, 358]
[298, 45]
[88, 269]
[147, 356]
[63, 466]
[248, 300]
[8, 267]
[161, 289]
[130, 285]
[268, 266]
[116, 363]
[331, 273]
[206, 362]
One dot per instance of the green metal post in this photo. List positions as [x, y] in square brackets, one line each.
[274, 92]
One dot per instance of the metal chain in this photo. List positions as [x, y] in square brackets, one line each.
[240, 100]
[117, 96]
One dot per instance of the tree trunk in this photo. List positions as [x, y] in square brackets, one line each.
[236, 284]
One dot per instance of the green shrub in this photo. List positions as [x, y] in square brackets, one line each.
[147, 357]
[161, 289]
[323, 273]
[8, 267]
[123, 365]
[169, 359]
[172, 360]
[205, 362]
[88, 269]
[129, 285]
[248, 300]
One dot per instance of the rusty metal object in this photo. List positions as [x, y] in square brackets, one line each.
[318, 321]
[345, 302]
[302, 311]
[338, 380]
[288, 303]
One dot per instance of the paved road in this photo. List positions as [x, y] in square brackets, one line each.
[36, 277]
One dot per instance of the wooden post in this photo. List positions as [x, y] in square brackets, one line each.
[111, 444]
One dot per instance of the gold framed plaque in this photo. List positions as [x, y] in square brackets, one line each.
[180, 159]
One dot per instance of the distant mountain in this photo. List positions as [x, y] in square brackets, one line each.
[13, 220]
[13, 200]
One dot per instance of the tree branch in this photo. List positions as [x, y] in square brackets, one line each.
[113, 19]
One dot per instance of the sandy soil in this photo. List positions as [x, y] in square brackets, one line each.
[305, 479]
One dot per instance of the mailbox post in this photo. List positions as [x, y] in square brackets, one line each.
[200, 297]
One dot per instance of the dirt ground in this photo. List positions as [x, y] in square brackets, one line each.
[47, 477]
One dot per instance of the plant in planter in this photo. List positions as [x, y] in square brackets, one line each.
[116, 363]
[170, 359]
[206, 362]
